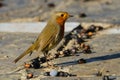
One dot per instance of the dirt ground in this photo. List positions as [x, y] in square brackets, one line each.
[105, 56]
[105, 44]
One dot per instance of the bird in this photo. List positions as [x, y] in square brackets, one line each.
[50, 36]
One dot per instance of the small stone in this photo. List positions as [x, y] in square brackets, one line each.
[99, 28]
[43, 59]
[91, 28]
[56, 55]
[6, 56]
[53, 73]
[35, 63]
[82, 15]
[73, 50]
[107, 71]
[61, 52]
[84, 36]
[80, 40]
[66, 53]
[51, 5]
[62, 74]
[66, 74]
[108, 3]
[1, 4]
[81, 61]
[86, 0]
[88, 51]
[29, 75]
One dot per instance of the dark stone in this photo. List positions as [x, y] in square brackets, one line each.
[82, 15]
[51, 5]
[81, 61]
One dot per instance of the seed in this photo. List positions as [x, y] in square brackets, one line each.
[29, 75]
[90, 33]
[61, 52]
[26, 65]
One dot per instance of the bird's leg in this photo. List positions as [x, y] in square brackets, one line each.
[45, 54]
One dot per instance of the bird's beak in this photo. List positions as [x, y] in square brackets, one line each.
[70, 15]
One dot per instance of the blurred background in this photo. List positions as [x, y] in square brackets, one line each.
[107, 11]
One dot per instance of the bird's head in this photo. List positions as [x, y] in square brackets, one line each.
[61, 17]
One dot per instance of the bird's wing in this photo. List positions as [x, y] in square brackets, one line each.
[47, 37]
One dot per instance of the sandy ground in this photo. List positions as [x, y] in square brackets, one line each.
[105, 45]
[105, 55]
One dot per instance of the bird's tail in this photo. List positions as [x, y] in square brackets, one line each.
[28, 51]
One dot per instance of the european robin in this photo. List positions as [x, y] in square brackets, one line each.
[50, 36]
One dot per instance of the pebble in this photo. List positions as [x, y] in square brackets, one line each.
[53, 73]
[92, 28]
[81, 61]
[35, 63]
[51, 5]
[66, 53]
[82, 15]
[29, 75]
[62, 74]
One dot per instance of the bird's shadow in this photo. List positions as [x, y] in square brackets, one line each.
[93, 59]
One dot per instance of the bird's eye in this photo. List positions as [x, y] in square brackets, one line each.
[62, 15]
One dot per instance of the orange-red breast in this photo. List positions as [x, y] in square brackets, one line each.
[51, 35]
